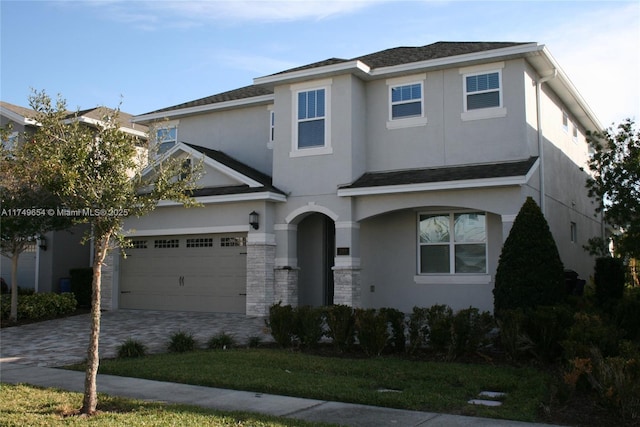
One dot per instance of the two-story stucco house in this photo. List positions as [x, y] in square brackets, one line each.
[391, 179]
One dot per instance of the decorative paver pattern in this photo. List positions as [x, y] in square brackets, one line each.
[64, 341]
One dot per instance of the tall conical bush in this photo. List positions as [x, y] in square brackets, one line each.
[530, 272]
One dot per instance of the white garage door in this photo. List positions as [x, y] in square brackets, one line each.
[185, 273]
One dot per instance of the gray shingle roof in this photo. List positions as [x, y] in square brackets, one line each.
[443, 174]
[238, 166]
[383, 58]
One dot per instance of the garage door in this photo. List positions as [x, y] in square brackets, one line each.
[185, 273]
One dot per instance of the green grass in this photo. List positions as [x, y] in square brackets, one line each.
[424, 386]
[22, 405]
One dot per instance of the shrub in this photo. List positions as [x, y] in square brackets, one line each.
[182, 342]
[308, 325]
[131, 348]
[515, 342]
[418, 329]
[254, 341]
[546, 327]
[440, 320]
[40, 306]
[341, 326]
[469, 331]
[81, 285]
[395, 319]
[616, 381]
[530, 272]
[281, 324]
[220, 341]
[609, 279]
[626, 315]
[590, 331]
[371, 328]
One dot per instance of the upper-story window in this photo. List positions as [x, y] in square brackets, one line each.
[482, 91]
[166, 137]
[565, 121]
[272, 127]
[311, 133]
[452, 243]
[311, 115]
[406, 101]
[574, 133]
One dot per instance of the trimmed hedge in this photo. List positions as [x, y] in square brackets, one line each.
[40, 306]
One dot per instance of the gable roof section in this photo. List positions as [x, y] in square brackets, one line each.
[442, 178]
[252, 184]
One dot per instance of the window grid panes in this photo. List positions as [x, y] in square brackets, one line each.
[233, 241]
[406, 101]
[166, 243]
[206, 242]
[166, 138]
[452, 243]
[311, 118]
[138, 244]
[482, 90]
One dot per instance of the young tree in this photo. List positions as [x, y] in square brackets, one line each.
[99, 172]
[615, 184]
[24, 209]
[530, 272]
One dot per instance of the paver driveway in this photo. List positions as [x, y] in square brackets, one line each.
[64, 341]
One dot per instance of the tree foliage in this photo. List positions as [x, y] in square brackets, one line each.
[100, 172]
[530, 272]
[24, 204]
[615, 184]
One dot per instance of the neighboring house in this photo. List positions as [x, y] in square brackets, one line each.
[387, 180]
[49, 259]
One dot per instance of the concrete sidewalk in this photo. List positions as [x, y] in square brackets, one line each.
[231, 400]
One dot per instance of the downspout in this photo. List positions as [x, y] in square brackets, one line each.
[540, 137]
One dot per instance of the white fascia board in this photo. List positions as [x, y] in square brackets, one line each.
[101, 123]
[312, 73]
[436, 186]
[262, 99]
[448, 61]
[231, 198]
[17, 117]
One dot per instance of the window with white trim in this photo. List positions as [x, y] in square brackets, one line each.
[406, 101]
[565, 122]
[452, 243]
[574, 232]
[574, 133]
[483, 90]
[311, 108]
[166, 138]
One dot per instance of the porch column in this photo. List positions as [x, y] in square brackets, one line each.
[261, 251]
[286, 265]
[347, 287]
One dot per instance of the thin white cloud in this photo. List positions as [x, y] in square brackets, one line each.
[600, 52]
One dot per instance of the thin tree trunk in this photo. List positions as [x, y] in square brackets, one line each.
[90, 400]
[13, 315]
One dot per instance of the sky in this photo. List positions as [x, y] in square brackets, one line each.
[149, 55]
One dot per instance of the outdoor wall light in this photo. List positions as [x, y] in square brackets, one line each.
[42, 243]
[254, 220]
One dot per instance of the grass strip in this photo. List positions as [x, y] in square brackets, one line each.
[23, 405]
[417, 385]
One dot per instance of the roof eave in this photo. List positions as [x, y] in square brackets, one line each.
[216, 106]
[356, 67]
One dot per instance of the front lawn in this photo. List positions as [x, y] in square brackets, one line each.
[22, 405]
[384, 381]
